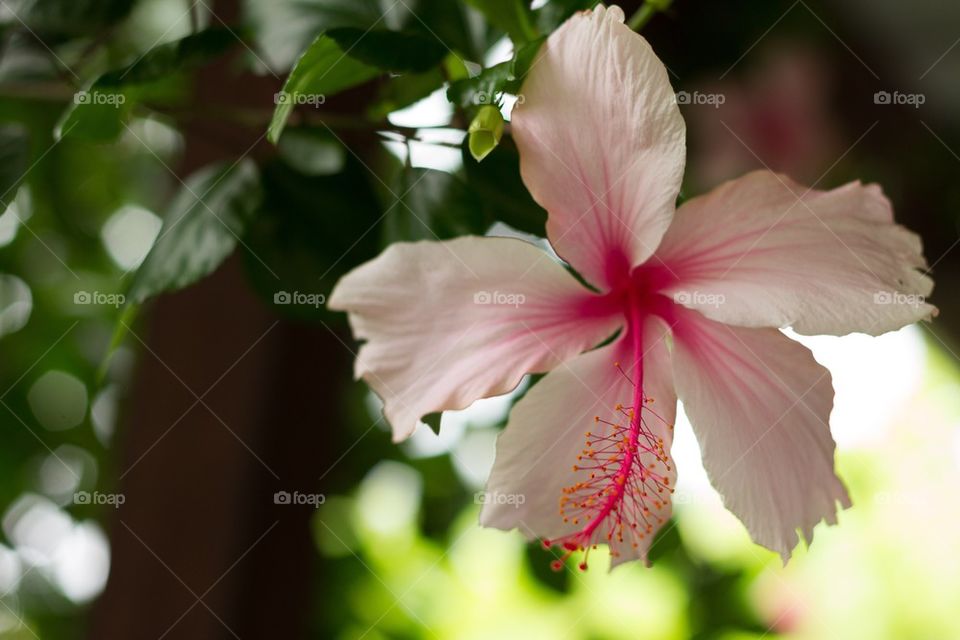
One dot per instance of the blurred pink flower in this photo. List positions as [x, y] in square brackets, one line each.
[777, 117]
[693, 299]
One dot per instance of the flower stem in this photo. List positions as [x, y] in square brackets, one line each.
[649, 9]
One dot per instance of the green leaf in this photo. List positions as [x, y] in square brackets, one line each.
[538, 563]
[666, 541]
[185, 54]
[100, 111]
[554, 13]
[390, 50]
[312, 152]
[450, 23]
[502, 193]
[485, 131]
[14, 158]
[402, 91]
[523, 60]
[120, 330]
[200, 230]
[323, 69]
[282, 29]
[511, 16]
[65, 18]
[311, 230]
[432, 420]
[98, 114]
[484, 88]
[487, 86]
[432, 205]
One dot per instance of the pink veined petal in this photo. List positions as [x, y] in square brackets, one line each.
[763, 250]
[601, 144]
[547, 431]
[447, 323]
[760, 404]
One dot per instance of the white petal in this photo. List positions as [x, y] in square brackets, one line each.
[447, 323]
[764, 251]
[547, 431]
[601, 144]
[759, 404]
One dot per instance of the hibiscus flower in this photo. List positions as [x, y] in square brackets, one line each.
[685, 302]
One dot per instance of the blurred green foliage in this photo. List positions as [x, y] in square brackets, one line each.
[101, 106]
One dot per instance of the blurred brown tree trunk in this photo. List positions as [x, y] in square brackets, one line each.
[229, 405]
